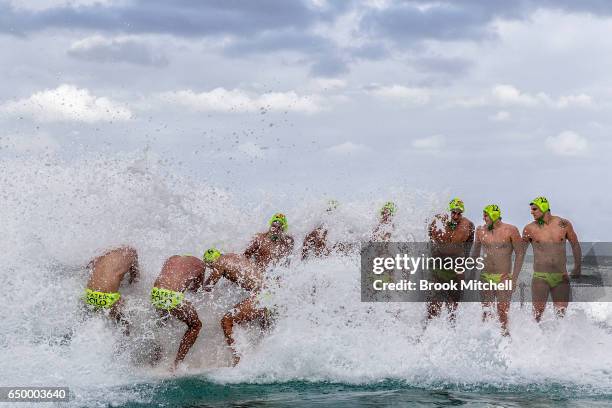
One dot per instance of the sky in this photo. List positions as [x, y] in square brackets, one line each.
[491, 101]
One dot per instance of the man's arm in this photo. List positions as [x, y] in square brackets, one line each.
[463, 233]
[252, 248]
[436, 234]
[519, 246]
[212, 279]
[576, 249]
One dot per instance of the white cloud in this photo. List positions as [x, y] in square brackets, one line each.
[328, 84]
[509, 95]
[431, 144]
[120, 49]
[347, 148]
[67, 103]
[417, 96]
[567, 143]
[236, 100]
[500, 116]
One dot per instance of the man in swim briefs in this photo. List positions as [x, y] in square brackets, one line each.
[178, 275]
[385, 227]
[498, 240]
[107, 272]
[315, 242]
[449, 237]
[266, 249]
[548, 234]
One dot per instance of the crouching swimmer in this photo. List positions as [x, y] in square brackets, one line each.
[178, 275]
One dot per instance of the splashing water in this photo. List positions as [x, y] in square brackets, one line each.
[56, 216]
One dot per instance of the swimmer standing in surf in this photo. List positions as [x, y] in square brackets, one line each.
[178, 275]
[548, 235]
[267, 249]
[107, 272]
[449, 242]
[498, 240]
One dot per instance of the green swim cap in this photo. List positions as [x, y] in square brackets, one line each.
[541, 203]
[456, 204]
[211, 255]
[280, 218]
[389, 205]
[493, 211]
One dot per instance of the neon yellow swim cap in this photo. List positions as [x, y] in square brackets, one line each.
[389, 205]
[211, 255]
[493, 211]
[542, 203]
[280, 218]
[456, 204]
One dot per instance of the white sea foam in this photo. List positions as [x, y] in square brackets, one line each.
[57, 215]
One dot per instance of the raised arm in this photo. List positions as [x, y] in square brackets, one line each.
[576, 249]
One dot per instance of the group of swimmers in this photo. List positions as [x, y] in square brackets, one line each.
[497, 239]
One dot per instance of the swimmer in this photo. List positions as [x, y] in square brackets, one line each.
[498, 240]
[179, 275]
[385, 227]
[107, 272]
[548, 235]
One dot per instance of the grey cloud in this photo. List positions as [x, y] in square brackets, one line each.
[181, 17]
[408, 22]
[442, 65]
[114, 50]
[329, 65]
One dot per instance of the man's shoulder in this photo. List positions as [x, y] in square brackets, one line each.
[560, 221]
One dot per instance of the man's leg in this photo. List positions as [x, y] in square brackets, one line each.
[188, 315]
[116, 313]
[487, 299]
[539, 297]
[560, 296]
[243, 312]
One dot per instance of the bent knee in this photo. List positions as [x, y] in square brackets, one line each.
[195, 325]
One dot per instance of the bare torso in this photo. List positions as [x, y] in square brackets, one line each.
[109, 269]
[497, 247]
[181, 273]
[448, 241]
[265, 251]
[240, 270]
[548, 241]
[383, 231]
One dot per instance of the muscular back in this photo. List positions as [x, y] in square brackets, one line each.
[109, 269]
[239, 270]
[181, 273]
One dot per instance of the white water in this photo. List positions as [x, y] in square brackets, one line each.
[56, 216]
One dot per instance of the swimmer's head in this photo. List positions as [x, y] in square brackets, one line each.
[211, 255]
[388, 209]
[491, 213]
[539, 207]
[279, 221]
[456, 208]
